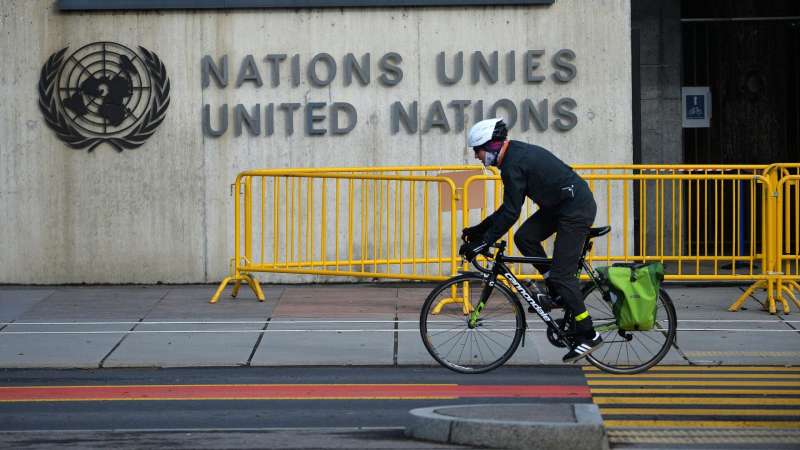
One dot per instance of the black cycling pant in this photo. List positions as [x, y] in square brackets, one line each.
[571, 222]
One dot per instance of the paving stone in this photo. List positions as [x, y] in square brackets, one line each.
[410, 349]
[288, 341]
[96, 303]
[15, 302]
[60, 345]
[182, 345]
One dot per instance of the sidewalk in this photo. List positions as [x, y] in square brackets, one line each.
[341, 324]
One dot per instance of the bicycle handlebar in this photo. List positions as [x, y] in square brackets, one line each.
[479, 267]
[500, 246]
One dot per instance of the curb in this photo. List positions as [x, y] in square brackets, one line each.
[471, 425]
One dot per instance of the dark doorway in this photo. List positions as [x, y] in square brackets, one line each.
[747, 52]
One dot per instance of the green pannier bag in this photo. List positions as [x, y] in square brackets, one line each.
[635, 287]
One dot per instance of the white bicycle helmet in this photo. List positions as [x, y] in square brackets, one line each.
[485, 131]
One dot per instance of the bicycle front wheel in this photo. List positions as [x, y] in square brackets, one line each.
[444, 325]
[630, 352]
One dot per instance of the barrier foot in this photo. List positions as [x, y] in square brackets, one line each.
[465, 306]
[771, 297]
[215, 297]
[745, 295]
[255, 286]
[788, 290]
[236, 287]
[793, 286]
[237, 283]
[784, 303]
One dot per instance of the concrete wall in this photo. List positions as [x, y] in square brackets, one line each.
[658, 23]
[659, 26]
[163, 212]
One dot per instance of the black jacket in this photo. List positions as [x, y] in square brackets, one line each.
[532, 171]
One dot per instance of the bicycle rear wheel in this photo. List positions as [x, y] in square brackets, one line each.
[444, 325]
[630, 352]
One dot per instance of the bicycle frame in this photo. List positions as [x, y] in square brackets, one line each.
[500, 268]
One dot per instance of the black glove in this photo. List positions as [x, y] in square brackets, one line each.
[470, 234]
[470, 250]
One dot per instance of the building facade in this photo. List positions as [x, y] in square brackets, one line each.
[124, 123]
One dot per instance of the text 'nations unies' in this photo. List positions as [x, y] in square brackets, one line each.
[285, 73]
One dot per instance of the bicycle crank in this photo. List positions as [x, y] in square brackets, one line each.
[553, 337]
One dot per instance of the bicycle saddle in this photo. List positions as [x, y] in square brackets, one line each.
[599, 231]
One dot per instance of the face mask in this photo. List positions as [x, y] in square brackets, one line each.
[490, 159]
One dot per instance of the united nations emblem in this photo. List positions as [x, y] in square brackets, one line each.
[104, 92]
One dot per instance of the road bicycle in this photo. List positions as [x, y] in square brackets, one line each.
[474, 322]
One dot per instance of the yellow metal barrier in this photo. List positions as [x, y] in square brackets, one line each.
[692, 220]
[788, 264]
[392, 222]
[777, 220]
[702, 222]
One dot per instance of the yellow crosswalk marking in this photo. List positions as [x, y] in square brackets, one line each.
[788, 376]
[695, 401]
[774, 424]
[698, 436]
[697, 390]
[711, 369]
[700, 412]
[700, 398]
[757, 353]
[635, 382]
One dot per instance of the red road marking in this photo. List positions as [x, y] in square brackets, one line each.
[286, 391]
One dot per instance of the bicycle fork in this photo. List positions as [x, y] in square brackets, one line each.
[487, 289]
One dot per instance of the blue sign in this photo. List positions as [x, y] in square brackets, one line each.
[695, 107]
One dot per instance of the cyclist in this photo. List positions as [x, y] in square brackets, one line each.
[566, 207]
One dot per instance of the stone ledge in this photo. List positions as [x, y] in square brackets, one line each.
[544, 426]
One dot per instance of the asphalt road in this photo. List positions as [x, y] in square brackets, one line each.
[320, 407]
[675, 407]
